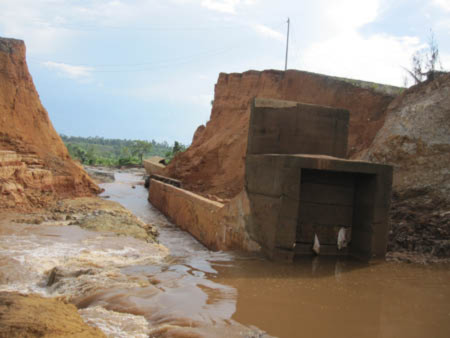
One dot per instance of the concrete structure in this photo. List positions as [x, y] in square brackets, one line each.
[286, 127]
[298, 190]
[168, 180]
[217, 226]
[296, 187]
[154, 165]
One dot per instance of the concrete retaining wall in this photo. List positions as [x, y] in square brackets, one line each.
[152, 165]
[217, 226]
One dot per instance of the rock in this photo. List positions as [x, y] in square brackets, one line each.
[100, 175]
[56, 274]
[35, 316]
[97, 214]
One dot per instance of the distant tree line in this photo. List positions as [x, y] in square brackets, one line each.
[117, 152]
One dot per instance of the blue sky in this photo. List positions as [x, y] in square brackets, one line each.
[146, 69]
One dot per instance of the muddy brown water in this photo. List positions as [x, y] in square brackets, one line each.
[128, 288]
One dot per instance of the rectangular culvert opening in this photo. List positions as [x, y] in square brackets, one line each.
[333, 205]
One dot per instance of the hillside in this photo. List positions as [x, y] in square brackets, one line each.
[214, 163]
[35, 166]
[416, 140]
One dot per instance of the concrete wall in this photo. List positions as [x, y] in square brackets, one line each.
[217, 226]
[289, 197]
[285, 127]
[152, 165]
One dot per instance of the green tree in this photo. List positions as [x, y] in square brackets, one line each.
[125, 152]
[90, 155]
[79, 153]
[101, 151]
[140, 148]
[177, 147]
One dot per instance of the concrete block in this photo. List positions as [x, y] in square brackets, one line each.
[286, 232]
[291, 182]
[298, 187]
[299, 129]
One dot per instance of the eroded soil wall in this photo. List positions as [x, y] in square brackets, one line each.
[35, 166]
[214, 163]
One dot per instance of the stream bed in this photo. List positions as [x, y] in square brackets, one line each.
[129, 288]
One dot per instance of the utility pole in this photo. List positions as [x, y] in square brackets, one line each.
[287, 44]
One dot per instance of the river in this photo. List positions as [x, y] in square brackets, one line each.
[127, 288]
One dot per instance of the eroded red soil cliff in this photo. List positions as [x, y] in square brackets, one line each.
[214, 163]
[35, 166]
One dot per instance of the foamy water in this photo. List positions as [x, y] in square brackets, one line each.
[122, 285]
[86, 261]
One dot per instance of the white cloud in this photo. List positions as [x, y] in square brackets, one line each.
[70, 71]
[226, 6]
[268, 32]
[346, 15]
[442, 4]
[25, 19]
[346, 52]
[377, 58]
[445, 61]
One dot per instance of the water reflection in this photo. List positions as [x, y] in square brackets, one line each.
[341, 298]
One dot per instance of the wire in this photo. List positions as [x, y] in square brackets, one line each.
[148, 66]
[152, 65]
[132, 64]
[154, 27]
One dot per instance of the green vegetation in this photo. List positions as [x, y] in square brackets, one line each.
[177, 148]
[117, 152]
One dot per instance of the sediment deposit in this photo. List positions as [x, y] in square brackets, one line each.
[35, 166]
[34, 316]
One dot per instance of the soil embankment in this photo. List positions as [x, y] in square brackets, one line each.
[35, 166]
[408, 129]
[416, 140]
[34, 316]
[214, 163]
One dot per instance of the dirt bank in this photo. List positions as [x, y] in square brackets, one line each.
[214, 163]
[35, 316]
[35, 166]
[415, 139]
[409, 130]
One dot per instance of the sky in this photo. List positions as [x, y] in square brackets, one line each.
[146, 69]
